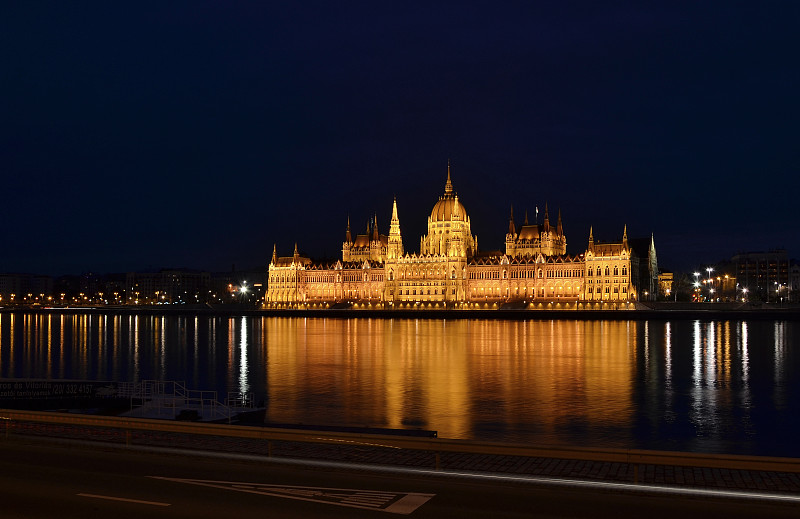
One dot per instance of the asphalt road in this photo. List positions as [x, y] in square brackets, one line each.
[46, 480]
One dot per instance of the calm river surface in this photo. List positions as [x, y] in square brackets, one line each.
[711, 386]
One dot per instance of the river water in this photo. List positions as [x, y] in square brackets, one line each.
[692, 385]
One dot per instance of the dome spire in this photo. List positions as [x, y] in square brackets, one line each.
[448, 186]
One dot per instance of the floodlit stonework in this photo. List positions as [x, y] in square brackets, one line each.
[449, 271]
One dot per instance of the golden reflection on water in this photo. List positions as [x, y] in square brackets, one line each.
[451, 375]
[608, 382]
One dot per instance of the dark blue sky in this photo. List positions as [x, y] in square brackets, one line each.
[148, 134]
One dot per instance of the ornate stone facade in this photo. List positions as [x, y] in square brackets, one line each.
[450, 272]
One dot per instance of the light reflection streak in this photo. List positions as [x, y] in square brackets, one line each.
[709, 351]
[12, 345]
[61, 355]
[244, 384]
[668, 355]
[647, 350]
[49, 362]
[780, 350]
[745, 353]
[163, 353]
[196, 350]
[136, 356]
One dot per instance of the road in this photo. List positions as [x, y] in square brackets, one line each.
[45, 480]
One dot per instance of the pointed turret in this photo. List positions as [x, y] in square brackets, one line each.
[274, 254]
[526, 217]
[559, 227]
[546, 219]
[511, 229]
[395, 240]
[375, 235]
[296, 254]
[448, 186]
[625, 237]
[591, 237]
[348, 238]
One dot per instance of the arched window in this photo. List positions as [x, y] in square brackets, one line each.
[616, 270]
[607, 272]
[598, 271]
[391, 275]
[540, 273]
[624, 270]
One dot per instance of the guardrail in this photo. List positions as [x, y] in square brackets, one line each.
[437, 446]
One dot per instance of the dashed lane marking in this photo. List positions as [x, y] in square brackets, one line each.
[393, 502]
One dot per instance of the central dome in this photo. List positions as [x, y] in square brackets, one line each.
[448, 204]
[445, 208]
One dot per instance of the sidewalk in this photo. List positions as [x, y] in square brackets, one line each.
[707, 478]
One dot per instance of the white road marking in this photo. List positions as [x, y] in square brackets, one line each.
[138, 501]
[393, 502]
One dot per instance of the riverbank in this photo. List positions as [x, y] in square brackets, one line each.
[639, 311]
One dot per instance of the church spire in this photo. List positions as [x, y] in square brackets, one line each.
[395, 249]
[448, 186]
[559, 227]
[546, 219]
[511, 229]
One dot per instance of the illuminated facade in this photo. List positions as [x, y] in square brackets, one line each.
[450, 272]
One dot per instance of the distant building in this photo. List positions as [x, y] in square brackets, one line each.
[25, 289]
[765, 275]
[666, 281]
[449, 270]
[794, 281]
[167, 286]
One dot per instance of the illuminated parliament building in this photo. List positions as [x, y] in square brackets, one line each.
[449, 271]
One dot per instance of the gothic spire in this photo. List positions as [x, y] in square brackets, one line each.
[375, 235]
[559, 227]
[546, 225]
[274, 254]
[511, 229]
[526, 217]
[448, 186]
[348, 237]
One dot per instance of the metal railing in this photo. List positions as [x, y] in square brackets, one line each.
[169, 397]
[437, 446]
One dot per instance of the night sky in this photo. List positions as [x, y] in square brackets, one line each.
[140, 135]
